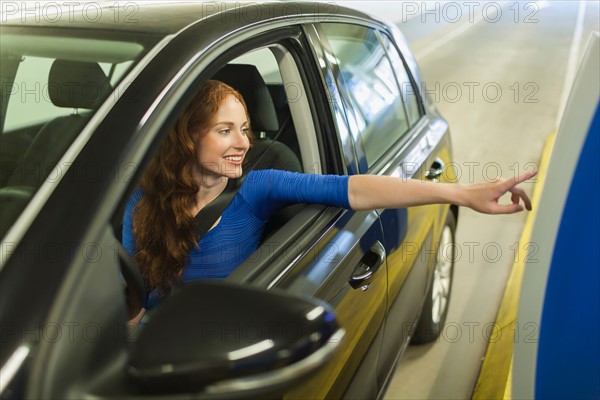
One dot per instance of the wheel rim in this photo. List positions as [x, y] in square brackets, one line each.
[442, 276]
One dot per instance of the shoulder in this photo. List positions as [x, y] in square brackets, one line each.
[270, 175]
[264, 176]
[135, 197]
[262, 173]
[273, 177]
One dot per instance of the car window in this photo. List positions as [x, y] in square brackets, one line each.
[407, 88]
[31, 103]
[265, 62]
[52, 84]
[370, 82]
[26, 107]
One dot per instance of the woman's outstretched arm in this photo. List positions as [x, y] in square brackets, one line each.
[367, 192]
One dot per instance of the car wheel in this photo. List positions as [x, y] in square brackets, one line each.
[435, 307]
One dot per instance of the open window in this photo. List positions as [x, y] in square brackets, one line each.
[282, 119]
[270, 82]
[268, 79]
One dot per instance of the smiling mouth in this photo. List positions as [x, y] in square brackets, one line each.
[234, 159]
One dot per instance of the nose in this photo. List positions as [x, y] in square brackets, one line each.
[241, 141]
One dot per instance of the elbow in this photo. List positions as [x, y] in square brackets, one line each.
[352, 196]
[360, 196]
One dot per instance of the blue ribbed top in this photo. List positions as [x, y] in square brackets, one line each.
[225, 247]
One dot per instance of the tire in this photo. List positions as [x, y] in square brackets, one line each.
[435, 307]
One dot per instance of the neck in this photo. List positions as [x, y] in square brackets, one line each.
[210, 187]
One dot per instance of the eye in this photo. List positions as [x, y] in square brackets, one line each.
[224, 131]
[245, 130]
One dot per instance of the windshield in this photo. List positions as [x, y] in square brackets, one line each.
[52, 82]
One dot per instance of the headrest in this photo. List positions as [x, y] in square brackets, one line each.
[77, 84]
[247, 80]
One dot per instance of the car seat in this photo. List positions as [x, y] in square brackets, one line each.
[71, 84]
[265, 153]
[265, 123]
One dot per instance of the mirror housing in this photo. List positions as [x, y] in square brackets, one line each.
[220, 340]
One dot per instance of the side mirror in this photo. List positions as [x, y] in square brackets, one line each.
[218, 340]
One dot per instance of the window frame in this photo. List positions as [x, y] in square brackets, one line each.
[417, 93]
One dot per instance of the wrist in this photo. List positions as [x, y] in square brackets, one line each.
[460, 195]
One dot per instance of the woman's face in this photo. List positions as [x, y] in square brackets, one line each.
[220, 150]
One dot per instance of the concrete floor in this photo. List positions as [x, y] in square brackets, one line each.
[499, 79]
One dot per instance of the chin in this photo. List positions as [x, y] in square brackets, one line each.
[235, 174]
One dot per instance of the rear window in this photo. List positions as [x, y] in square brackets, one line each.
[52, 81]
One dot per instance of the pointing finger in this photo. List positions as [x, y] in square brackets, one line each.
[509, 183]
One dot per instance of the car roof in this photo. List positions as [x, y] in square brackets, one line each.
[162, 17]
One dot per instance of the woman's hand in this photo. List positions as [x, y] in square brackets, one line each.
[483, 197]
[137, 319]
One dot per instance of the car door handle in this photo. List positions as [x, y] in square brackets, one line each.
[367, 267]
[435, 170]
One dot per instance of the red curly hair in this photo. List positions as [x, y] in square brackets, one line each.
[163, 225]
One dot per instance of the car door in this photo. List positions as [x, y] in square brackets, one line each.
[425, 153]
[394, 138]
[422, 153]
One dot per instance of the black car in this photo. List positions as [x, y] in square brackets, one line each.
[89, 91]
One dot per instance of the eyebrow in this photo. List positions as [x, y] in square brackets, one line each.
[228, 123]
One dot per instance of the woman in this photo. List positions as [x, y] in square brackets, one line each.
[204, 150]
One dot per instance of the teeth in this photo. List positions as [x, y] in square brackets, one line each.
[235, 159]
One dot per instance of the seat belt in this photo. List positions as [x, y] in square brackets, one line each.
[207, 217]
